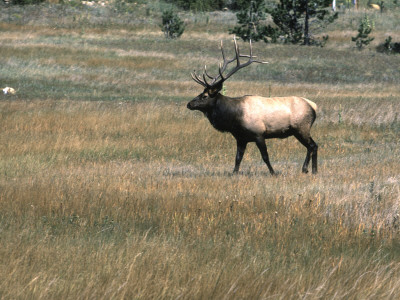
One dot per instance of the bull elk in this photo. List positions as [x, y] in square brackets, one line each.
[254, 118]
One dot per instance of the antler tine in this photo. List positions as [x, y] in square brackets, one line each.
[251, 55]
[236, 52]
[260, 62]
[205, 71]
[226, 61]
[196, 78]
[251, 49]
[238, 55]
[222, 66]
[222, 50]
[205, 81]
[219, 79]
[221, 71]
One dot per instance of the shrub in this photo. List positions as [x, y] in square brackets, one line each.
[237, 4]
[207, 5]
[389, 47]
[25, 2]
[172, 25]
[199, 5]
[365, 28]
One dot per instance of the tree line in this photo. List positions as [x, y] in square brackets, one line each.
[292, 18]
[294, 22]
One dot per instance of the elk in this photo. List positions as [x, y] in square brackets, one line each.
[254, 118]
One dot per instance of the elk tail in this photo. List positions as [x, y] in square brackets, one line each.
[312, 104]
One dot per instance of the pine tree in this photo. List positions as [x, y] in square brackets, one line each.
[172, 25]
[293, 19]
[251, 22]
[364, 29]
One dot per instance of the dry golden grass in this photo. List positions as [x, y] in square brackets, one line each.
[122, 200]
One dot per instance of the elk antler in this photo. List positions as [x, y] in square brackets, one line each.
[219, 79]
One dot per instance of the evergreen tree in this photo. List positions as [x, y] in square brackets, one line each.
[293, 19]
[362, 39]
[172, 25]
[250, 23]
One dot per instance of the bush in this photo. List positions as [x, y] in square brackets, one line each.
[365, 28]
[25, 2]
[389, 47]
[199, 5]
[207, 5]
[238, 4]
[172, 25]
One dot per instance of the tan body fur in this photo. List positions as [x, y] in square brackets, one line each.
[255, 118]
[275, 116]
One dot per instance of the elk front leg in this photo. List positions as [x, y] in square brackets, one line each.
[264, 154]
[241, 147]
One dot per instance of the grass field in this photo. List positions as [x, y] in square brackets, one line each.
[111, 189]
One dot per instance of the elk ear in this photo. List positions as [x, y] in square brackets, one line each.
[212, 92]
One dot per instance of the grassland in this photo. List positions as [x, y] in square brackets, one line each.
[111, 189]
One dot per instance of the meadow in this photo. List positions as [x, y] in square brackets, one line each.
[111, 189]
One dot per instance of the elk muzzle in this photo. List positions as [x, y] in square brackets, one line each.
[190, 105]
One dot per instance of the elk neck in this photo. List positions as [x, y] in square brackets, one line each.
[226, 113]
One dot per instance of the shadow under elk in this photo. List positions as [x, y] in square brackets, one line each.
[255, 118]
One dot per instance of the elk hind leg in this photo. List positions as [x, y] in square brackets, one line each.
[312, 152]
